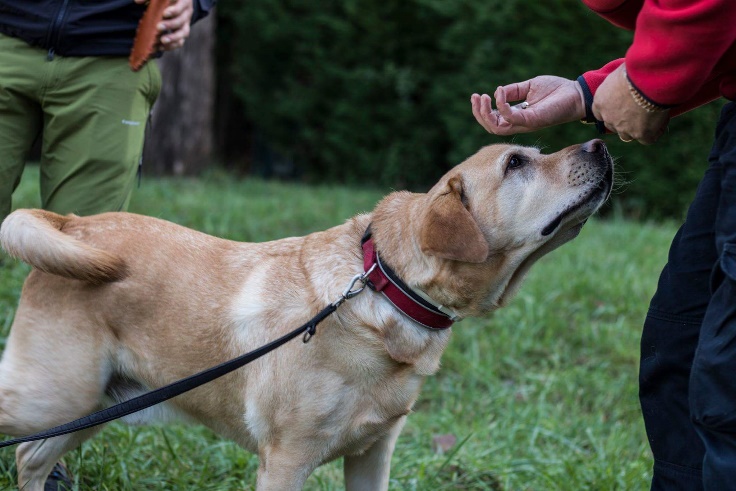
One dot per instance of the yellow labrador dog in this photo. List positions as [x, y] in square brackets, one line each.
[120, 303]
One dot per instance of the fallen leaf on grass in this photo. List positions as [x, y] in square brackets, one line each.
[443, 443]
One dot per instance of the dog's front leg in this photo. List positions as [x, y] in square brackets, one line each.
[370, 470]
[285, 467]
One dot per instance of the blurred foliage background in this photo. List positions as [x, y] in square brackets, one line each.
[377, 92]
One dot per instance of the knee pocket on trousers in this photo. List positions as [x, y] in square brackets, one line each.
[726, 267]
[711, 406]
[709, 419]
[728, 260]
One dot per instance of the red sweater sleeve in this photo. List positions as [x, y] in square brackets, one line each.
[709, 91]
[621, 13]
[681, 48]
[677, 44]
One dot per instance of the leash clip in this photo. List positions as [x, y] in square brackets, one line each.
[349, 293]
[351, 290]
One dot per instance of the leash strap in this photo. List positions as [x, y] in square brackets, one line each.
[184, 385]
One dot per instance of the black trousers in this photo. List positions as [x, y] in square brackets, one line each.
[687, 380]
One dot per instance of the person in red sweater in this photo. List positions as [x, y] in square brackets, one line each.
[683, 55]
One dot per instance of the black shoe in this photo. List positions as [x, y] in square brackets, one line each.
[59, 479]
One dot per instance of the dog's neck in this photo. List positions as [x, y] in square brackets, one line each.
[414, 303]
[408, 344]
[464, 288]
[396, 223]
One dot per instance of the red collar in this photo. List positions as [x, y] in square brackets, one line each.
[384, 280]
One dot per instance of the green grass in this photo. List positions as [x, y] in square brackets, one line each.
[541, 396]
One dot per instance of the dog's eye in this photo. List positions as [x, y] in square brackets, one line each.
[514, 162]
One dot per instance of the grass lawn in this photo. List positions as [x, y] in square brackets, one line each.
[540, 396]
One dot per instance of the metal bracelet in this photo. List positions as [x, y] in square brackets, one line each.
[639, 98]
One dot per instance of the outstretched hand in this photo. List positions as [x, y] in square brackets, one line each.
[174, 28]
[550, 100]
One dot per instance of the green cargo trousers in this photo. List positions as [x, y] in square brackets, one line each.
[92, 113]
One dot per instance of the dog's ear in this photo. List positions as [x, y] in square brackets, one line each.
[449, 230]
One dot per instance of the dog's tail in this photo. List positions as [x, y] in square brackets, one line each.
[36, 237]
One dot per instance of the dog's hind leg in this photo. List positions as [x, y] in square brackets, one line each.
[370, 470]
[54, 369]
[35, 460]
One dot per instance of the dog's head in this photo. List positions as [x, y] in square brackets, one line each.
[474, 235]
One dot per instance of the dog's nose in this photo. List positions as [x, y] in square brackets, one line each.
[594, 146]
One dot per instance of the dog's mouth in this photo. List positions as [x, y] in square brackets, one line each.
[588, 204]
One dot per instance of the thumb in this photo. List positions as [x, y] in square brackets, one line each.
[518, 115]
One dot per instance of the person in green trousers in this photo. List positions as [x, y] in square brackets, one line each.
[64, 75]
[92, 113]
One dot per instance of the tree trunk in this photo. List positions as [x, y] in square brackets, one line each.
[180, 137]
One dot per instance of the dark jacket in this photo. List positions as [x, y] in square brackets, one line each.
[79, 27]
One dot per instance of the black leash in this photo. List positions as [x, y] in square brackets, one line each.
[193, 381]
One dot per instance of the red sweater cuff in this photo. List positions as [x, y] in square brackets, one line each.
[595, 78]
